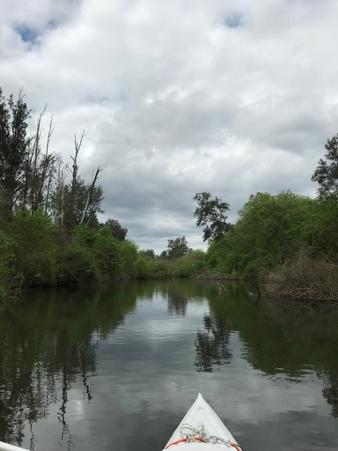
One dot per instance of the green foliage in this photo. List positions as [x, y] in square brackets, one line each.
[211, 214]
[96, 255]
[189, 265]
[326, 173]
[322, 233]
[271, 231]
[82, 193]
[115, 258]
[177, 247]
[35, 247]
[57, 238]
[14, 146]
[7, 274]
[115, 229]
[148, 253]
[75, 260]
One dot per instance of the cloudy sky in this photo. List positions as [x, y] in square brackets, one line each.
[179, 96]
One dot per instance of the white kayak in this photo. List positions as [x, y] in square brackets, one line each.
[202, 430]
[6, 447]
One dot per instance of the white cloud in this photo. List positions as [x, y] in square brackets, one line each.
[179, 97]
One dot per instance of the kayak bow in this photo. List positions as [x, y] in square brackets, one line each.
[202, 430]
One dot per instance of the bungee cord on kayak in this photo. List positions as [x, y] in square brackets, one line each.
[208, 429]
[198, 435]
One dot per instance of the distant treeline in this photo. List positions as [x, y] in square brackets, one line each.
[50, 233]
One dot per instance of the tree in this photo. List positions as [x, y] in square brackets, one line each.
[74, 186]
[14, 147]
[38, 173]
[71, 218]
[211, 214]
[149, 253]
[116, 229]
[90, 194]
[270, 232]
[177, 247]
[326, 173]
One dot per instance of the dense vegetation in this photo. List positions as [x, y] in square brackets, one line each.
[49, 229]
[50, 232]
[274, 230]
[287, 242]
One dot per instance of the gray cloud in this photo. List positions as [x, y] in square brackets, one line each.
[179, 97]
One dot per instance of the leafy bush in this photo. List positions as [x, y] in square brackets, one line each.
[96, 254]
[8, 280]
[35, 254]
[76, 264]
[190, 265]
[271, 231]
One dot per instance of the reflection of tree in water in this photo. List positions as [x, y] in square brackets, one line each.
[311, 330]
[47, 347]
[330, 393]
[31, 381]
[285, 337]
[212, 345]
[177, 303]
[181, 292]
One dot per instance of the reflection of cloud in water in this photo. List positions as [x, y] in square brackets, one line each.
[145, 378]
[145, 399]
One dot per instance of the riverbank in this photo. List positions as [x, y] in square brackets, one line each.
[304, 280]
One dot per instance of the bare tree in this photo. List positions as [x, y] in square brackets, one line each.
[77, 145]
[90, 194]
[36, 149]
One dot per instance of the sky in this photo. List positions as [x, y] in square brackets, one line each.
[232, 97]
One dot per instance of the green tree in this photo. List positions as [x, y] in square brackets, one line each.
[149, 253]
[14, 148]
[271, 231]
[71, 218]
[35, 247]
[8, 279]
[211, 214]
[326, 173]
[116, 229]
[177, 247]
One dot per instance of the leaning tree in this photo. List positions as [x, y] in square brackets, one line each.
[211, 215]
[326, 173]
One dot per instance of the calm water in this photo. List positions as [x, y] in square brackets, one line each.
[105, 370]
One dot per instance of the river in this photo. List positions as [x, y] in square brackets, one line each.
[116, 369]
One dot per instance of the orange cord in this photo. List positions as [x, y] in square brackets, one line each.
[176, 442]
[184, 440]
[199, 439]
[236, 446]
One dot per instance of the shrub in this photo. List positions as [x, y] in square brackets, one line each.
[35, 254]
[8, 277]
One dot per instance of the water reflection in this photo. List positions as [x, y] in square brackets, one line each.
[51, 347]
[138, 352]
[212, 345]
[177, 303]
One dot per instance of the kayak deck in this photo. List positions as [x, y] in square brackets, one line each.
[202, 430]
